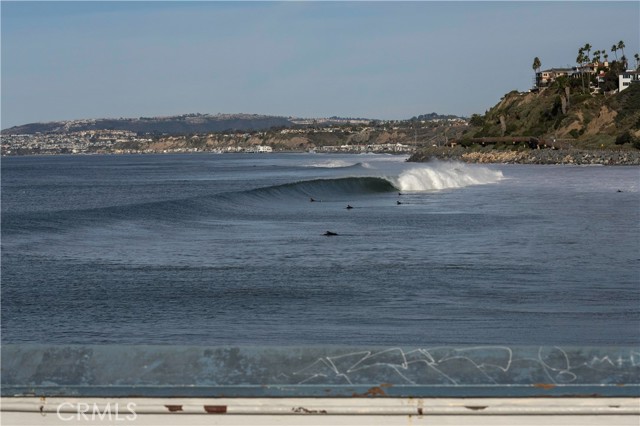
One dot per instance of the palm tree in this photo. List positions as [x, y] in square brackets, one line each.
[596, 56]
[614, 49]
[621, 46]
[536, 66]
[637, 57]
[587, 48]
[606, 57]
[536, 63]
[580, 61]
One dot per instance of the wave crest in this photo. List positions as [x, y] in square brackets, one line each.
[324, 188]
[335, 164]
[445, 176]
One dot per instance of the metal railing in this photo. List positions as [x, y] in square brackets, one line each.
[429, 371]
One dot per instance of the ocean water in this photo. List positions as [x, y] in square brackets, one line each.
[208, 249]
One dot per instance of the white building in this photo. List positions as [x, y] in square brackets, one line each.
[628, 78]
[263, 148]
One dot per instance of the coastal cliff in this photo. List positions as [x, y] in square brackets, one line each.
[565, 128]
[562, 112]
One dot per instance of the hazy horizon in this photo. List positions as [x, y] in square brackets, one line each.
[378, 60]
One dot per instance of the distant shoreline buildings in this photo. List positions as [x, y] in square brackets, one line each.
[331, 134]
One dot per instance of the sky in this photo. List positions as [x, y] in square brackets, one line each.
[383, 60]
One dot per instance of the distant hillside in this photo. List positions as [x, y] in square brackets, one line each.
[174, 125]
[587, 121]
[435, 116]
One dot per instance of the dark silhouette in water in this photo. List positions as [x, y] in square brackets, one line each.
[349, 206]
[330, 234]
[312, 199]
[398, 202]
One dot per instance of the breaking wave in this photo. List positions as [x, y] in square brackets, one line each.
[432, 177]
[419, 178]
[335, 164]
[439, 176]
[322, 188]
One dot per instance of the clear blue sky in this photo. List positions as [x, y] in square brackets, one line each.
[388, 60]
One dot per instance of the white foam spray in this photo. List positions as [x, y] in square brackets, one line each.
[333, 164]
[438, 176]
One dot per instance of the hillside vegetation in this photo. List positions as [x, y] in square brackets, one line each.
[562, 112]
[174, 125]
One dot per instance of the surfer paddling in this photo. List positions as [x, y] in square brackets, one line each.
[330, 234]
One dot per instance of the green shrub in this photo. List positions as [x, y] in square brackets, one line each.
[627, 137]
[477, 120]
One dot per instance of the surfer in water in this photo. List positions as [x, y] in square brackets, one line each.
[349, 206]
[312, 199]
[330, 234]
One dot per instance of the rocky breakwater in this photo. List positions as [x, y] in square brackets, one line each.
[534, 156]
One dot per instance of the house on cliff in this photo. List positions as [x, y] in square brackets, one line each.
[628, 78]
[546, 77]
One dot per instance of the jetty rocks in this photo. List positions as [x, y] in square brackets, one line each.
[532, 156]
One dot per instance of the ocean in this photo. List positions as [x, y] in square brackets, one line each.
[206, 249]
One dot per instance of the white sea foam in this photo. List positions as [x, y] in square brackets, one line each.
[333, 164]
[437, 176]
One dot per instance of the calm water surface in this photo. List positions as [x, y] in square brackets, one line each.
[229, 249]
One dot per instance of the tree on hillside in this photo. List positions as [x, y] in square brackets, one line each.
[621, 46]
[536, 64]
[536, 67]
[476, 120]
[614, 49]
[611, 77]
[587, 48]
[580, 60]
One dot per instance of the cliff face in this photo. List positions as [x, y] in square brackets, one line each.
[303, 140]
[588, 121]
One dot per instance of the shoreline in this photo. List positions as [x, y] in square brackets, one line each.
[533, 156]
[483, 156]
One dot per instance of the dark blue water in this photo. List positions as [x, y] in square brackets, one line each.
[228, 249]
